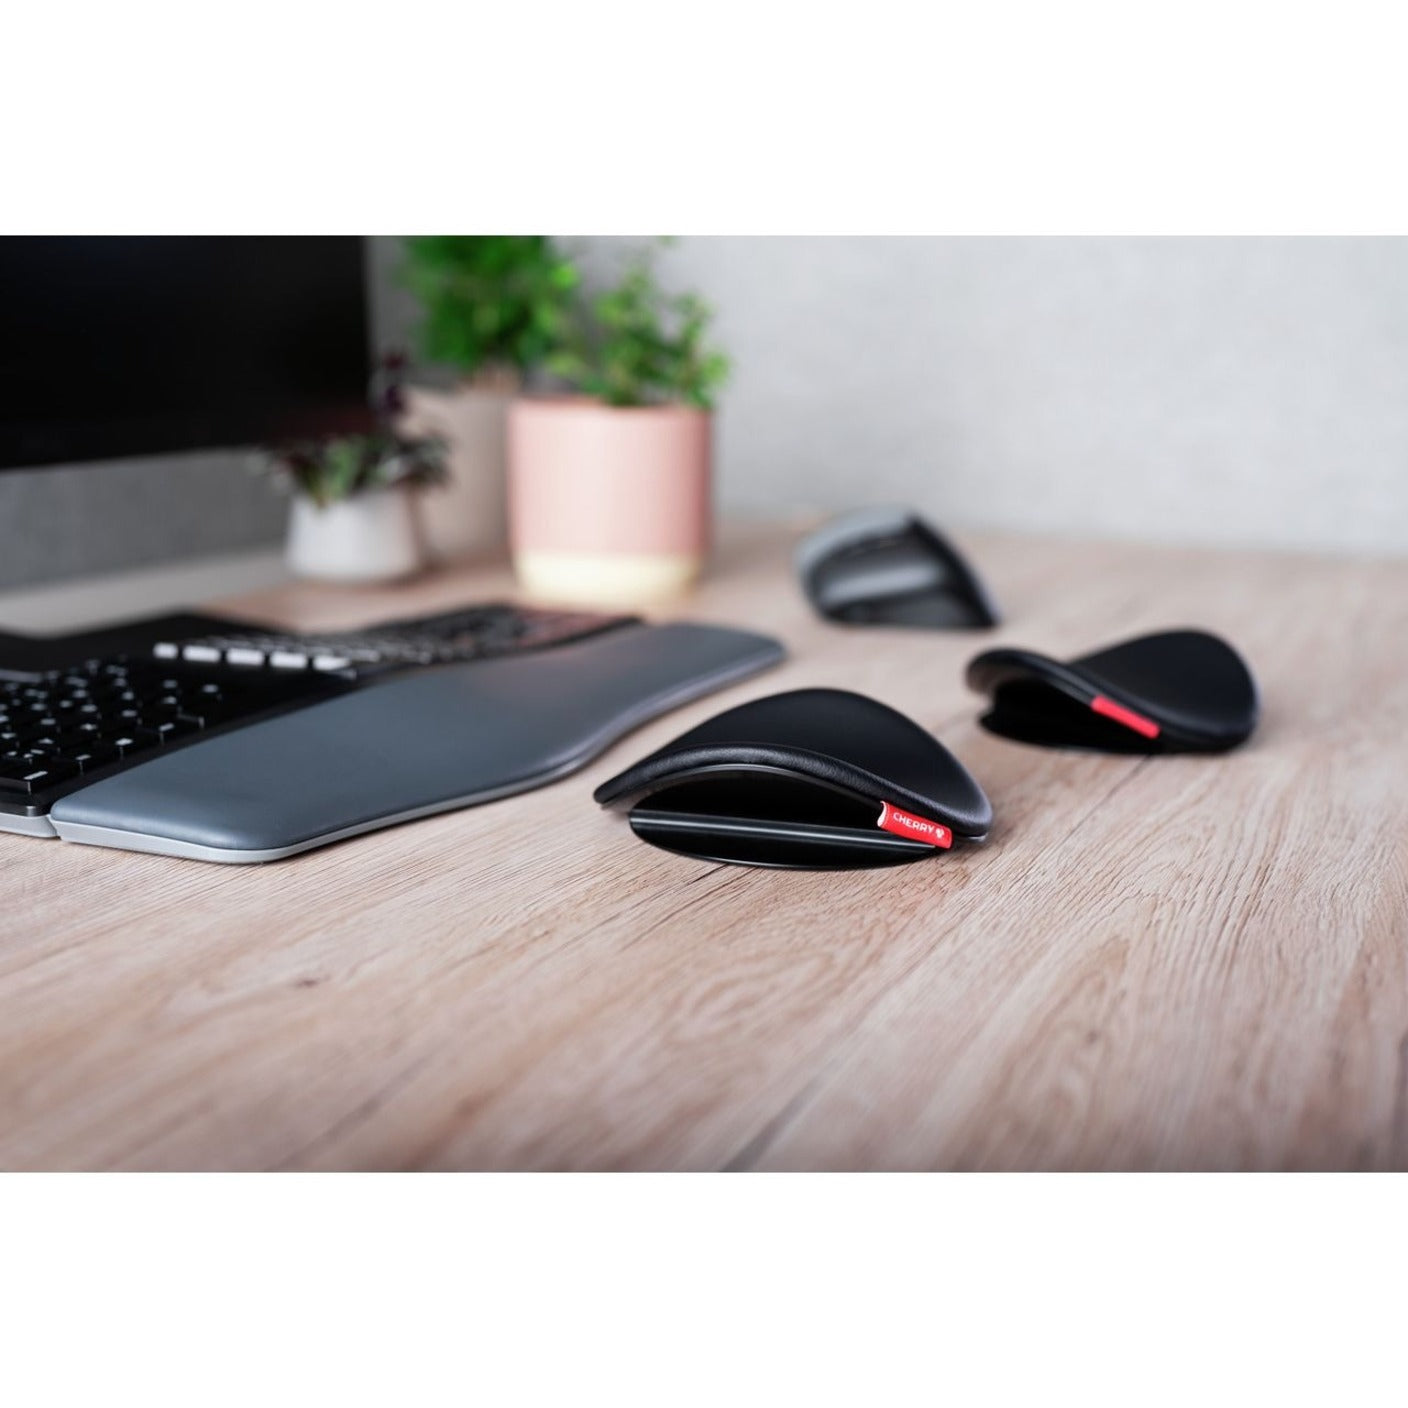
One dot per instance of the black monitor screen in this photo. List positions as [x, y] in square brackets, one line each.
[141, 345]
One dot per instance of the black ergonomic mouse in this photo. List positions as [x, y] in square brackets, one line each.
[816, 779]
[887, 567]
[1174, 692]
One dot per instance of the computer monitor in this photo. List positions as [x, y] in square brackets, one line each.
[138, 345]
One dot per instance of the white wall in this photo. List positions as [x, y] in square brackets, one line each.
[1219, 390]
[1239, 391]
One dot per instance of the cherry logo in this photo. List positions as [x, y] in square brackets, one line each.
[917, 828]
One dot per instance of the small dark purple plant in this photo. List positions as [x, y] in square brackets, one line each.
[339, 467]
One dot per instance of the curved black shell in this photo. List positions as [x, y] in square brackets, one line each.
[887, 567]
[799, 780]
[1181, 691]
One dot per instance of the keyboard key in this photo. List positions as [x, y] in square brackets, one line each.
[136, 740]
[36, 778]
[174, 728]
[92, 756]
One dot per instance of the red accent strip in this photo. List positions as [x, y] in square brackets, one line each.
[903, 823]
[1124, 716]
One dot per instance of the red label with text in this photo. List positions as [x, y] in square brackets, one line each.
[917, 828]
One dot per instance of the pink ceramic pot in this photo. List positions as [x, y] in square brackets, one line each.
[607, 505]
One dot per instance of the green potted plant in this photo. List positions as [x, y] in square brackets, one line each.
[493, 308]
[610, 484]
[353, 518]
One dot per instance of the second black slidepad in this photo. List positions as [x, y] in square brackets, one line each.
[1173, 692]
[816, 779]
[888, 567]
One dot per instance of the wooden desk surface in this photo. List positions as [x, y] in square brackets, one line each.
[1153, 963]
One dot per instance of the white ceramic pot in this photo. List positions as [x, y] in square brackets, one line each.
[464, 517]
[372, 537]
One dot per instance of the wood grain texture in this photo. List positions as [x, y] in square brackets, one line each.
[1166, 963]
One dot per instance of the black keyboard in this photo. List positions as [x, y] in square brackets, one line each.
[471, 633]
[56, 732]
[63, 729]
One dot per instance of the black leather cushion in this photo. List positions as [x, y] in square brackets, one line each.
[831, 735]
[1171, 692]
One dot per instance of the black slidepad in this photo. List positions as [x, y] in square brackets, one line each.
[1172, 692]
[888, 567]
[816, 779]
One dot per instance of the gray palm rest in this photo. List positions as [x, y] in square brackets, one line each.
[408, 747]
